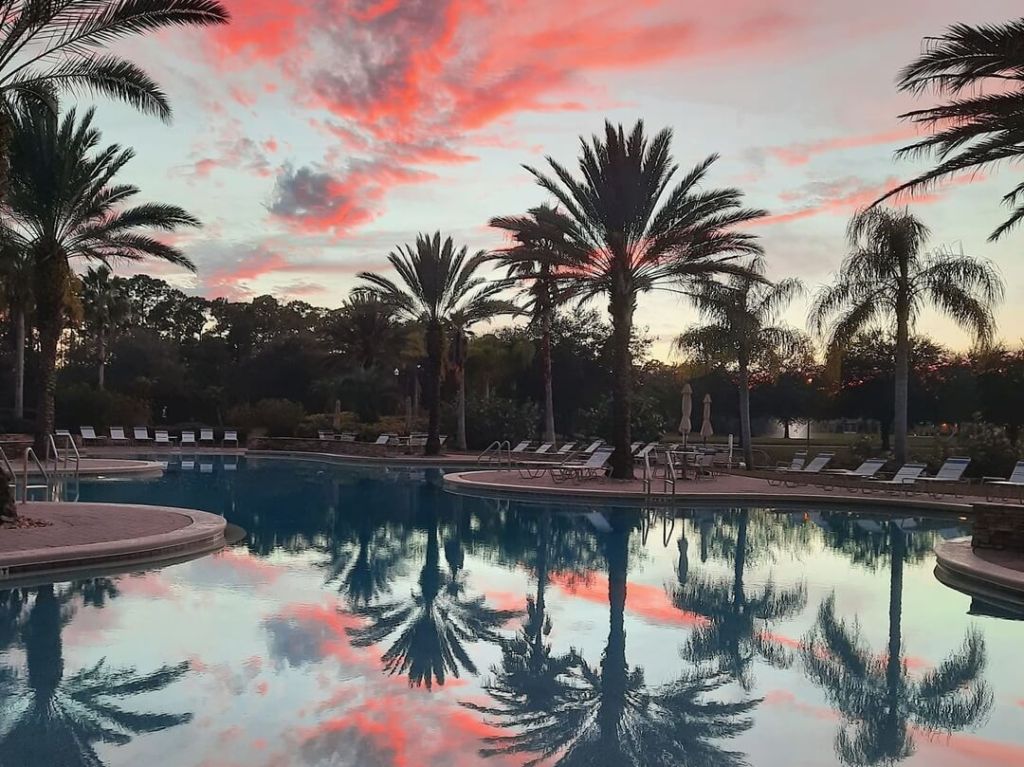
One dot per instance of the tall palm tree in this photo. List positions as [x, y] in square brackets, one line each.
[106, 311]
[364, 332]
[47, 46]
[55, 719]
[888, 279]
[16, 279]
[875, 695]
[979, 71]
[738, 617]
[627, 233]
[63, 204]
[531, 262]
[608, 715]
[433, 625]
[437, 284]
[741, 316]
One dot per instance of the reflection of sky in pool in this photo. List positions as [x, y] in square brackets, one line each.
[371, 619]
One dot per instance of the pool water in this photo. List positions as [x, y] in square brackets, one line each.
[371, 619]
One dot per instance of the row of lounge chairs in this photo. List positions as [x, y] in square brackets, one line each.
[590, 462]
[117, 435]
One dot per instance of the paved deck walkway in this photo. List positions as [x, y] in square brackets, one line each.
[81, 535]
[724, 487]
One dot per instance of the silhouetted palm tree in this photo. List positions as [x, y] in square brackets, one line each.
[532, 263]
[437, 283]
[364, 331]
[980, 74]
[47, 46]
[364, 568]
[876, 697]
[433, 625]
[887, 278]
[627, 233]
[53, 719]
[738, 619]
[608, 716]
[741, 316]
[106, 310]
[63, 204]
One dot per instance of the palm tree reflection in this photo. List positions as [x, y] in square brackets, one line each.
[879, 702]
[49, 718]
[434, 624]
[566, 710]
[738, 617]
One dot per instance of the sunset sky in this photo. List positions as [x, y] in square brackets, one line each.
[312, 136]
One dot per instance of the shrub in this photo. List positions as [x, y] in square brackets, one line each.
[278, 417]
[991, 451]
[491, 419]
[80, 403]
[648, 422]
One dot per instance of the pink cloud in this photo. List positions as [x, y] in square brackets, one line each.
[801, 154]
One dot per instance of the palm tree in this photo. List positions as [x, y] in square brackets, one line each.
[876, 697]
[47, 46]
[365, 567]
[741, 327]
[16, 274]
[433, 625]
[62, 204]
[532, 262]
[364, 331]
[608, 715]
[627, 233]
[888, 279]
[979, 73]
[106, 310]
[738, 618]
[438, 284]
[50, 718]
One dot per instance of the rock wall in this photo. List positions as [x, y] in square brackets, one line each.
[998, 526]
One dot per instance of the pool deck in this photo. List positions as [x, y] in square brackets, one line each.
[78, 537]
[95, 467]
[722, 488]
[999, 570]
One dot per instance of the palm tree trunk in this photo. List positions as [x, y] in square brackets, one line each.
[614, 672]
[43, 647]
[902, 376]
[545, 372]
[434, 343]
[542, 579]
[8, 507]
[621, 308]
[101, 378]
[19, 363]
[460, 374]
[748, 449]
[51, 272]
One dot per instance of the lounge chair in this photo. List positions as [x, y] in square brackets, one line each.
[205, 468]
[815, 466]
[593, 446]
[593, 467]
[635, 447]
[646, 450]
[566, 448]
[66, 433]
[384, 439]
[543, 448]
[117, 435]
[324, 435]
[952, 470]
[188, 438]
[796, 463]
[346, 437]
[1015, 480]
[89, 434]
[867, 469]
[230, 435]
[162, 437]
[206, 435]
[903, 479]
[231, 465]
[704, 466]
[141, 434]
[521, 447]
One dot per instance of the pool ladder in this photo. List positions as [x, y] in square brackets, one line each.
[502, 451]
[54, 491]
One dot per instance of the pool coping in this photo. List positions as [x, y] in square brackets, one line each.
[958, 557]
[99, 467]
[425, 462]
[459, 481]
[203, 533]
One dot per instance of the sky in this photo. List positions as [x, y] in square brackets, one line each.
[314, 136]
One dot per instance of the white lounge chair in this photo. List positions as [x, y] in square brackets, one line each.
[141, 434]
[324, 435]
[188, 438]
[66, 433]
[903, 479]
[593, 467]
[593, 446]
[796, 463]
[566, 448]
[89, 434]
[1015, 480]
[117, 436]
[231, 465]
[646, 450]
[206, 435]
[635, 447]
[205, 468]
[384, 439]
[162, 437]
[952, 470]
[867, 469]
[230, 435]
[815, 466]
[521, 447]
[543, 448]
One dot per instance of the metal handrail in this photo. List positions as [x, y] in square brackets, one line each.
[72, 448]
[496, 447]
[648, 473]
[30, 453]
[670, 472]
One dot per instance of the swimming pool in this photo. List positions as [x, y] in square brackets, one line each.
[372, 619]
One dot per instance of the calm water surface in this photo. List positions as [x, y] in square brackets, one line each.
[371, 619]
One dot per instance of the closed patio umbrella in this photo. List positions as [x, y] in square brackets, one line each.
[684, 424]
[706, 430]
